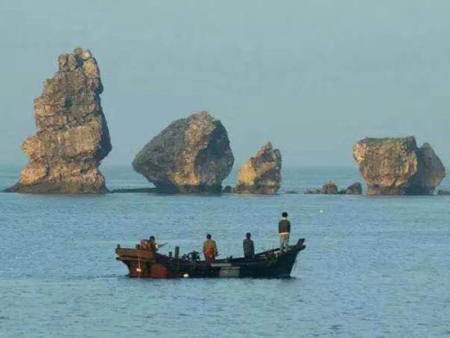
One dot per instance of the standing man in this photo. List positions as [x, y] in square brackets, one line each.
[210, 249]
[284, 229]
[249, 248]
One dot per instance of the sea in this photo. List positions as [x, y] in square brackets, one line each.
[373, 266]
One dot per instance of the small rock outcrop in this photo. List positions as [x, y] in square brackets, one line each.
[192, 155]
[72, 135]
[314, 191]
[354, 189]
[228, 189]
[443, 192]
[396, 166]
[329, 188]
[262, 173]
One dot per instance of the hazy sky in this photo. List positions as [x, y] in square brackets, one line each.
[312, 76]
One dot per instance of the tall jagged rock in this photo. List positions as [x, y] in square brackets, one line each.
[396, 166]
[72, 135]
[262, 173]
[191, 155]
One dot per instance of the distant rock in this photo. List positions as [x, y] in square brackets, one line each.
[262, 173]
[396, 166]
[443, 192]
[227, 190]
[329, 188]
[134, 191]
[430, 172]
[354, 189]
[192, 155]
[291, 192]
[313, 191]
[72, 135]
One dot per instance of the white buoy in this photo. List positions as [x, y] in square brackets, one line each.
[321, 211]
[138, 270]
[186, 275]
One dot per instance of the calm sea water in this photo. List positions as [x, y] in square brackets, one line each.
[373, 267]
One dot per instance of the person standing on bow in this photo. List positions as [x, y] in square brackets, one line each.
[210, 249]
[284, 230]
[249, 247]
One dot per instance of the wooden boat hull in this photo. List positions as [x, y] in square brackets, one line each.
[268, 264]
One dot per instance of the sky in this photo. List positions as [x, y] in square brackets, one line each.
[311, 76]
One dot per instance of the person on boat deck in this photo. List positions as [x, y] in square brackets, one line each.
[152, 245]
[284, 229]
[144, 244]
[209, 249]
[249, 248]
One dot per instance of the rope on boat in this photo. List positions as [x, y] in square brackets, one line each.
[139, 264]
[295, 264]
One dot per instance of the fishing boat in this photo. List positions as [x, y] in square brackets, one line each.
[267, 264]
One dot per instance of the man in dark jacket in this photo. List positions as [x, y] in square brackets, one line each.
[284, 230]
[249, 248]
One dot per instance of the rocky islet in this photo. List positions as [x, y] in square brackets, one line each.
[191, 155]
[261, 174]
[331, 188]
[72, 135]
[396, 166]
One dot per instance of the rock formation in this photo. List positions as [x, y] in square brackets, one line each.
[314, 191]
[72, 135]
[396, 166]
[329, 188]
[430, 171]
[262, 173]
[191, 155]
[227, 190]
[443, 192]
[354, 189]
